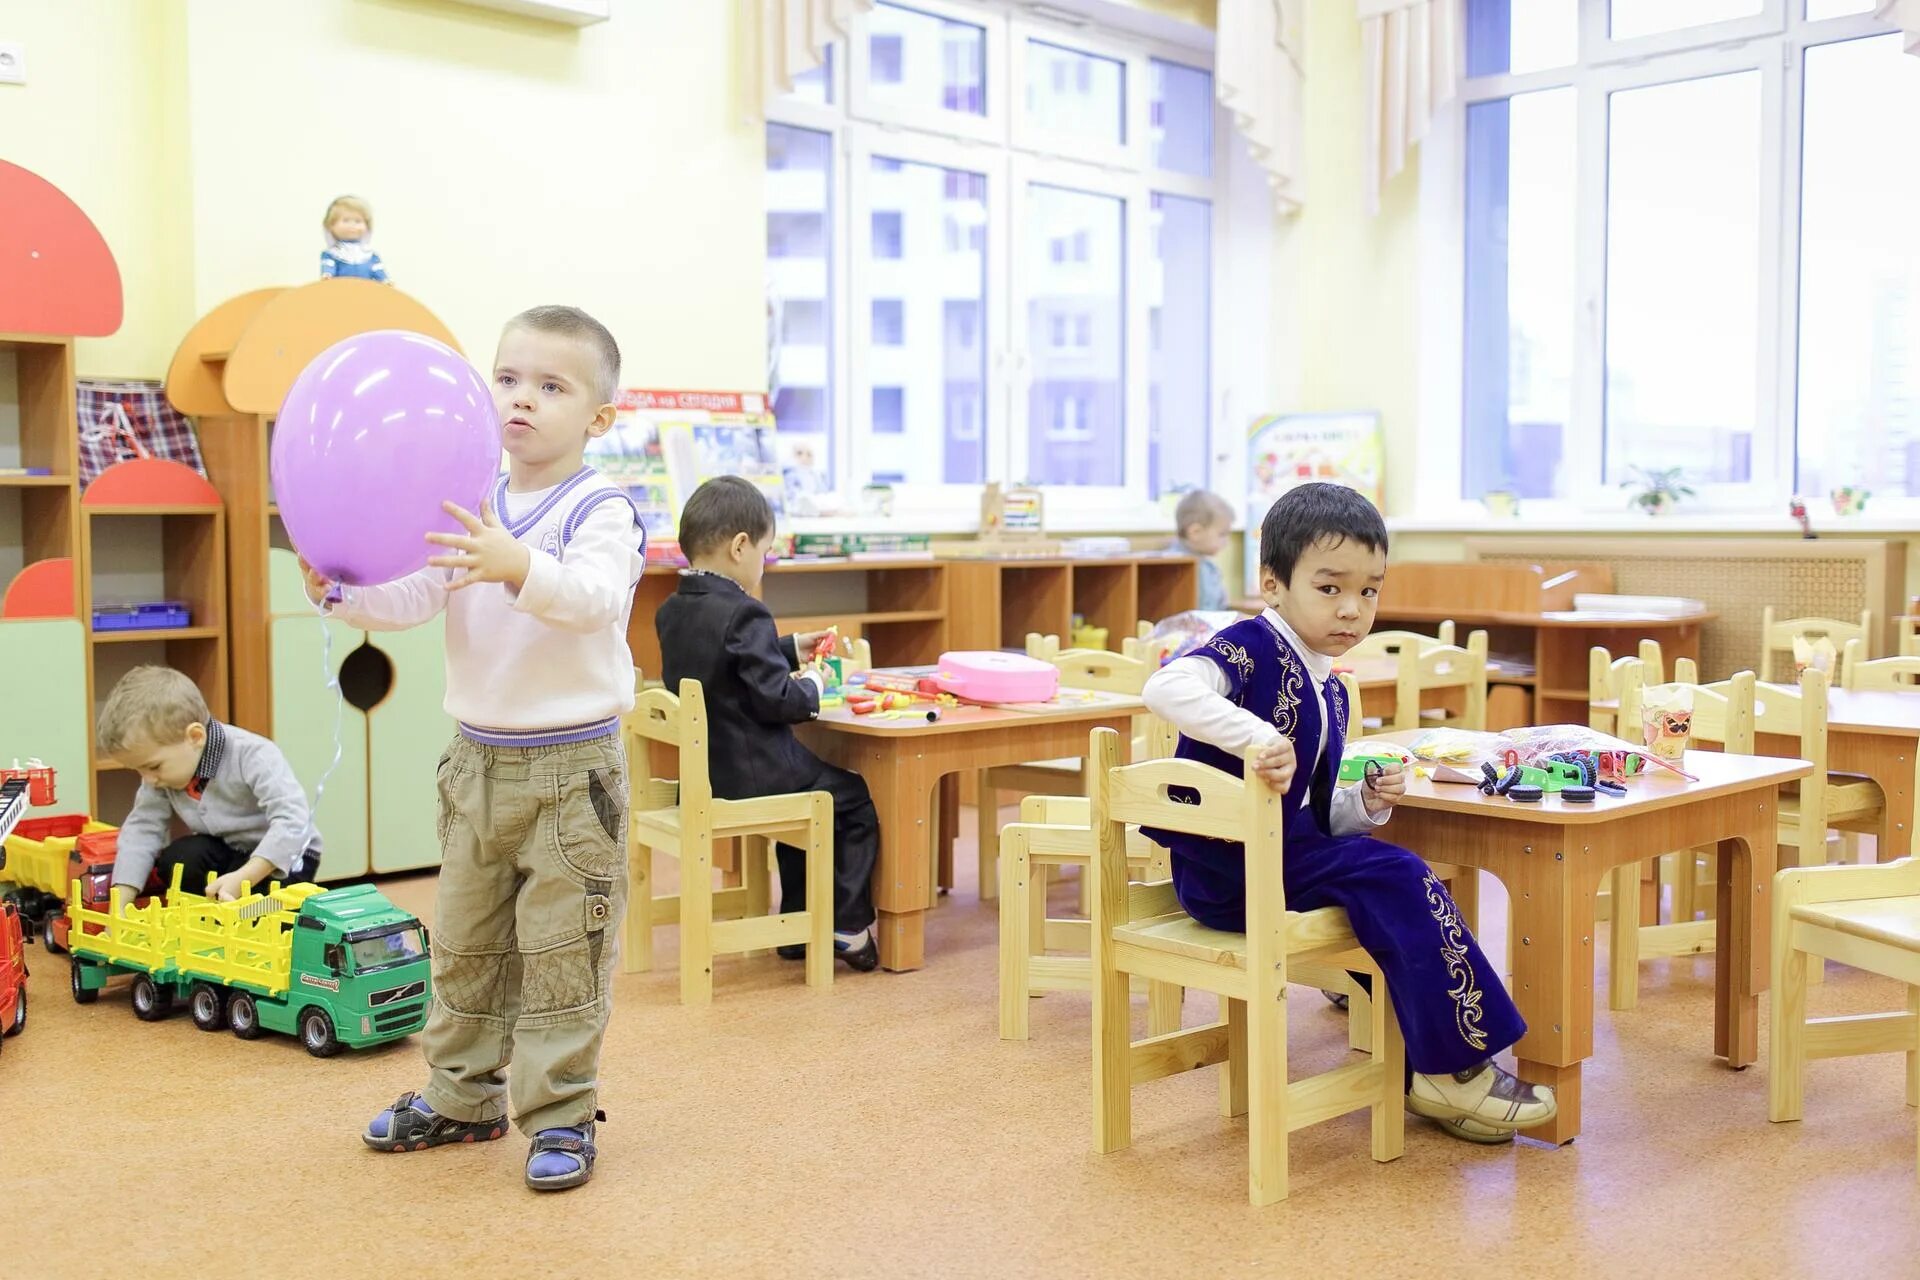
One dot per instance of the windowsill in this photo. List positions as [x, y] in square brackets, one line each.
[1627, 522]
[1128, 520]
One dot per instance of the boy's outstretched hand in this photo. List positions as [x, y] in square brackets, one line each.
[1274, 764]
[318, 585]
[1383, 790]
[487, 551]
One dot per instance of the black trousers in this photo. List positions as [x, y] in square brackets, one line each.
[856, 844]
[200, 856]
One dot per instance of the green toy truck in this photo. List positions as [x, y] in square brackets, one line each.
[340, 968]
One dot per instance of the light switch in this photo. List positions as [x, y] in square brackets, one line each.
[13, 64]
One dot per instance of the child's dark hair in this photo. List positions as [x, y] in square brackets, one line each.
[1310, 514]
[719, 509]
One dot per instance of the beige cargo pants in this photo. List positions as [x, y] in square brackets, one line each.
[533, 879]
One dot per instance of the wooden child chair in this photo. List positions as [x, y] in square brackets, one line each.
[682, 818]
[1429, 667]
[1093, 670]
[1867, 917]
[1139, 929]
[1890, 675]
[1776, 636]
[1604, 672]
[1057, 831]
[1723, 714]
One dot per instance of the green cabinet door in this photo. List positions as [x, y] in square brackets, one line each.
[43, 704]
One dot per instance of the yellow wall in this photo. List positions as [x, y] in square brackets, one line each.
[89, 120]
[1350, 278]
[510, 163]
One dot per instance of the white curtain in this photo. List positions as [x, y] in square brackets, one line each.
[1258, 77]
[1411, 50]
[784, 39]
[1904, 14]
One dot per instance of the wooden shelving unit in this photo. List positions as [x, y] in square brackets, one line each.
[1007, 598]
[899, 606]
[230, 374]
[137, 547]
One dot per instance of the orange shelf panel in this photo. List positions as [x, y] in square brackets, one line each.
[150, 482]
[61, 276]
[43, 589]
[194, 377]
[295, 325]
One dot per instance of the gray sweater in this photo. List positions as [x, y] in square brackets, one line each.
[250, 799]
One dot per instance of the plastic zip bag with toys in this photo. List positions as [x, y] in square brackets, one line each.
[1562, 753]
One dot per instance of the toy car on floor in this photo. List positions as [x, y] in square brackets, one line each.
[340, 968]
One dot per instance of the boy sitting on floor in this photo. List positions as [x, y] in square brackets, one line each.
[245, 813]
[1268, 682]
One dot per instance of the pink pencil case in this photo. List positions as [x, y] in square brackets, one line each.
[992, 676]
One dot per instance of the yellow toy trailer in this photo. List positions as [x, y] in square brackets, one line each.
[337, 967]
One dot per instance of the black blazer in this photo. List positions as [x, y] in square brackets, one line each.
[714, 632]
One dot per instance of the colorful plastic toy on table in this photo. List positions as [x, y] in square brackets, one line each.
[1560, 755]
[13, 973]
[337, 967]
[1353, 766]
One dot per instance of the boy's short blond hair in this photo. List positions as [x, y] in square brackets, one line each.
[1201, 507]
[150, 707]
[576, 325]
[352, 204]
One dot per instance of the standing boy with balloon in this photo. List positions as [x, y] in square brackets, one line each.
[533, 791]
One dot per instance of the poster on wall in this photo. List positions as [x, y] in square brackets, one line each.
[1289, 449]
[664, 443]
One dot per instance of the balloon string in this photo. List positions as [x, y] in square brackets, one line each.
[332, 682]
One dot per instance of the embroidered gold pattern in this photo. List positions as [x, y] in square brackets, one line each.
[1286, 708]
[1241, 660]
[1453, 950]
[1337, 699]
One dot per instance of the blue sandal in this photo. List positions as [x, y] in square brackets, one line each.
[411, 1125]
[562, 1158]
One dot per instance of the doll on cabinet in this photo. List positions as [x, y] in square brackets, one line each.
[349, 225]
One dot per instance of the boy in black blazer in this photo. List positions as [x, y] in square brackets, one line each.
[713, 630]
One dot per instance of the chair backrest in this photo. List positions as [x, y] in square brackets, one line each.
[1151, 650]
[1389, 644]
[678, 720]
[1224, 807]
[1910, 637]
[1102, 671]
[1045, 648]
[1438, 666]
[1604, 674]
[1722, 713]
[1355, 714]
[1686, 671]
[1776, 636]
[1861, 672]
[857, 654]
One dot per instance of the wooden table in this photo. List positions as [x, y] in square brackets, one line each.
[1876, 734]
[904, 761]
[1551, 858]
[1873, 733]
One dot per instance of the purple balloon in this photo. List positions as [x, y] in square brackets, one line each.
[376, 433]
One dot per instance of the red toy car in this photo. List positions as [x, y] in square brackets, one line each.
[13, 972]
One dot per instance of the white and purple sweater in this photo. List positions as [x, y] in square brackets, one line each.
[548, 664]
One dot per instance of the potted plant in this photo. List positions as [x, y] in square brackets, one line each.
[1660, 489]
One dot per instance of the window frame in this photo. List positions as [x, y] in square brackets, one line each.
[1774, 44]
[1237, 375]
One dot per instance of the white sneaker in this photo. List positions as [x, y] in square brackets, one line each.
[1487, 1094]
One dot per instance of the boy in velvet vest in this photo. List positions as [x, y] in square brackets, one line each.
[1266, 685]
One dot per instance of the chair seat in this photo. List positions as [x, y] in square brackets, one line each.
[762, 815]
[1848, 797]
[1178, 933]
[1893, 921]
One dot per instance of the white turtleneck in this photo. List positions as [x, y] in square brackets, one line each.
[1192, 695]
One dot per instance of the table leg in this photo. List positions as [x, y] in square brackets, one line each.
[1553, 892]
[946, 826]
[903, 801]
[1743, 895]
